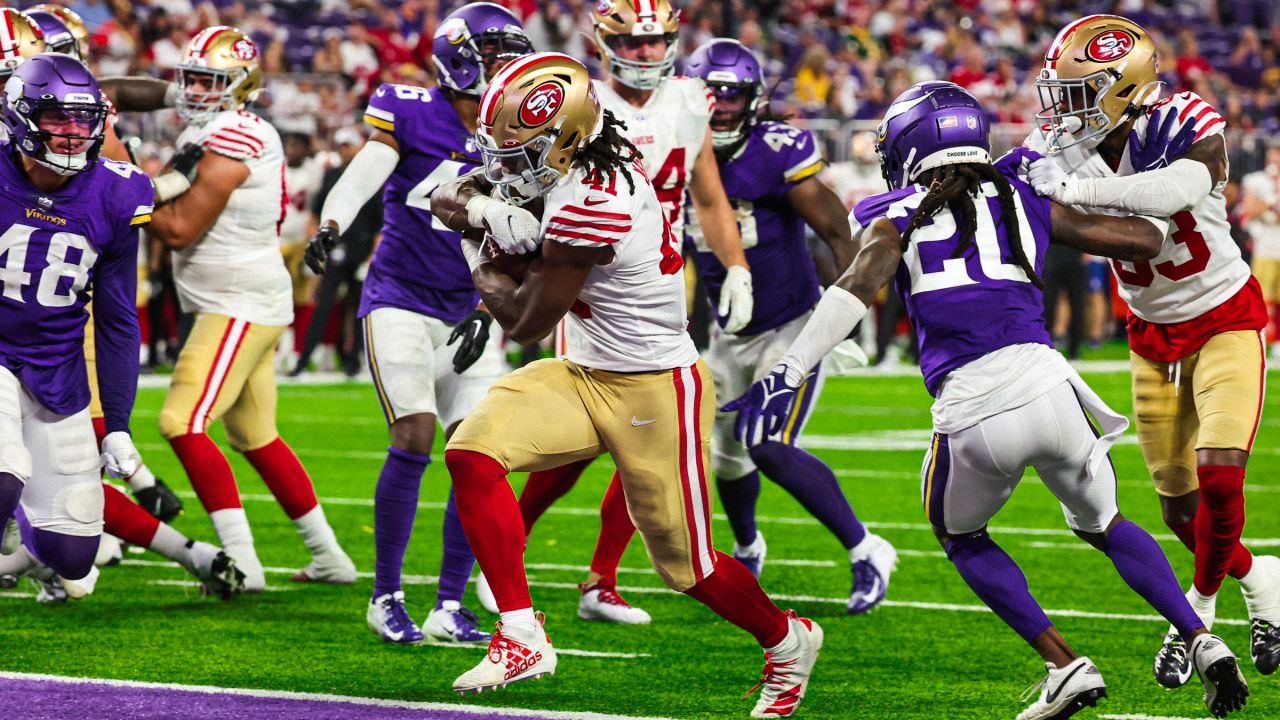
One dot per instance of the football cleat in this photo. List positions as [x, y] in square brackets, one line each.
[77, 589]
[602, 603]
[1264, 646]
[453, 623]
[509, 660]
[484, 594]
[216, 571]
[246, 560]
[159, 500]
[49, 590]
[8, 582]
[752, 556]
[110, 551]
[1063, 692]
[874, 560]
[1225, 689]
[786, 675]
[10, 537]
[1262, 598]
[1173, 667]
[332, 567]
[390, 620]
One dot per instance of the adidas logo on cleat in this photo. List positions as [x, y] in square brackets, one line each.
[522, 665]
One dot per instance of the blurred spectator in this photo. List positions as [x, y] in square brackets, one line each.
[1260, 216]
[328, 59]
[1191, 65]
[813, 81]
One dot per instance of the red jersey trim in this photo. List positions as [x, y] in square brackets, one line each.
[1161, 343]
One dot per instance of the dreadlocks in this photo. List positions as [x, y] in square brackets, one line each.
[609, 151]
[954, 186]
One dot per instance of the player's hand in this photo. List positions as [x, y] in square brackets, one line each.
[119, 456]
[736, 299]
[515, 230]
[1050, 180]
[1158, 149]
[764, 407]
[474, 333]
[321, 245]
[185, 161]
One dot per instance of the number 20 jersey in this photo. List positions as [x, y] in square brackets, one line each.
[963, 306]
[419, 266]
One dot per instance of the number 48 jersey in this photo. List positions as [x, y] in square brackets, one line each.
[419, 266]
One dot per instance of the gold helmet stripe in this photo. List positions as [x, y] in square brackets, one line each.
[488, 104]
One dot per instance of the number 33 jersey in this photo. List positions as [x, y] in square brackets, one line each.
[419, 266]
[630, 314]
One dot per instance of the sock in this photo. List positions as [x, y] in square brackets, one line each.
[733, 593]
[171, 544]
[70, 556]
[616, 531]
[395, 504]
[1219, 523]
[99, 429]
[521, 625]
[1241, 559]
[232, 526]
[142, 479]
[544, 487]
[457, 560]
[811, 482]
[285, 477]
[126, 519]
[738, 498]
[998, 581]
[302, 315]
[1144, 567]
[490, 516]
[316, 532]
[209, 471]
[10, 494]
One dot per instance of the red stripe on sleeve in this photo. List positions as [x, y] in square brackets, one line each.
[571, 235]
[590, 225]
[594, 213]
[1186, 111]
[1205, 130]
[251, 139]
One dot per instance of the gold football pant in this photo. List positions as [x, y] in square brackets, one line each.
[1212, 401]
[655, 425]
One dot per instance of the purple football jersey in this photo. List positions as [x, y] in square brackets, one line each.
[56, 250]
[964, 306]
[419, 266]
[775, 158]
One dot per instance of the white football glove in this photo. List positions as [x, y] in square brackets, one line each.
[119, 456]
[1051, 181]
[514, 229]
[736, 299]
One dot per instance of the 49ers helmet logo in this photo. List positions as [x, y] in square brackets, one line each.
[1110, 45]
[541, 105]
[244, 49]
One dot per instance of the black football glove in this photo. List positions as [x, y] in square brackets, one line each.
[474, 331]
[160, 501]
[186, 160]
[322, 243]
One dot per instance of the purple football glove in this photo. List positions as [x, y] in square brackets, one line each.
[763, 407]
[1158, 149]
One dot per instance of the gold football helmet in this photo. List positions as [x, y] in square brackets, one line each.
[20, 39]
[615, 20]
[1098, 72]
[219, 71]
[534, 115]
[74, 23]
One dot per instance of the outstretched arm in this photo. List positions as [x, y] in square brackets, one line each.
[138, 94]
[1123, 238]
[822, 211]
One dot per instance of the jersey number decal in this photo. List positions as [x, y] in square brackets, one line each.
[953, 271]
[420, 196]
[1185, 234]
[672, 260]
[669, 183]
[14, 277]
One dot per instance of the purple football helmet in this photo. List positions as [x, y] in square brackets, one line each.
[57, 36]
[931, 124]
[55, 112]
[471, 37]
[733, 74]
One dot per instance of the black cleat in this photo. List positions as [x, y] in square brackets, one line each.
[1225, 689]
[1173, 667]
[8, 582]
[1264, 646]
[160, 501]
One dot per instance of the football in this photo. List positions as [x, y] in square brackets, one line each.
[514, 266]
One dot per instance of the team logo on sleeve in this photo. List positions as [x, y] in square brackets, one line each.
[244, 49]
[541, 104]
[1110, 45]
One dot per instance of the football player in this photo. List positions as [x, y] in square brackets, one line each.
[667, 119]
[229, 273]
[1196, 313]
[769, 170]
[610, 262]
[84, 238]
[419, 299]
[965, 240]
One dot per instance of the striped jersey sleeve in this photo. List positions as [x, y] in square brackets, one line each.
[1193, 109]
[381, 111]
[236, 136]
[575, 224]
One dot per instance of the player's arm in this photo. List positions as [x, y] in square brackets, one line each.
[719, 226]
[115, 325]
[822, 211]
[530, 310]
[138, 94]
[359, 183]
[180, 223]
[112, 148]
[1122, 238]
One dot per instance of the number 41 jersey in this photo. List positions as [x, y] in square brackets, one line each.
[419, 266]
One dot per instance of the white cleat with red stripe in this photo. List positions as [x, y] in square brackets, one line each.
[603, 603]
[509, 660]
[787, 668]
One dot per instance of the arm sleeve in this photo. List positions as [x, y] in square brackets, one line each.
[116, 333]
[1160, 192]
[362, 179]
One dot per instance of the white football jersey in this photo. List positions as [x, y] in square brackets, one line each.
[669, 132]
[1264, 185]
[630, 315]
[1199, 266]
[236, 269]
[301, 185]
